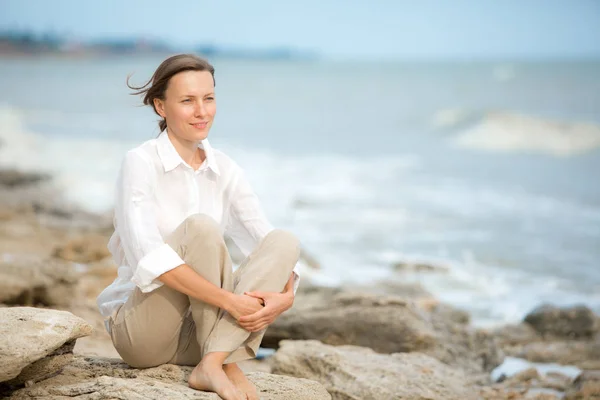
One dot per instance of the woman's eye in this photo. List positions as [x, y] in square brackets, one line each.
[210, 98]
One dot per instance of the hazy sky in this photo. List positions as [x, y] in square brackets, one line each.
[338, 28]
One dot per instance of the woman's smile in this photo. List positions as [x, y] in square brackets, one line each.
[200, 125]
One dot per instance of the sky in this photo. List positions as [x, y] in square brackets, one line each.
[428, 29]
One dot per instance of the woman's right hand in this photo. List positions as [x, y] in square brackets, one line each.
[241, 305]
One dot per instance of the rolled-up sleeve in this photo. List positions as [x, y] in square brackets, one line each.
[248, 224]
[145, 250]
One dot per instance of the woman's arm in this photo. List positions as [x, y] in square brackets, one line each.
[185, 280]
[248, 224]
[275, 305]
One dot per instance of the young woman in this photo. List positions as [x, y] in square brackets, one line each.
[176, 299]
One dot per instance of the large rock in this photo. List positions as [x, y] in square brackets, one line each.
[31, 334]
[11, 178]
[566, 322]
[84, 249]
[105, 378]
[523, 341]
[351, 372]
[36, 281]
[584, 354]
[388, 324]
[475, 351]
[585, 387]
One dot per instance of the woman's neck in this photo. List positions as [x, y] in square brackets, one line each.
[188, 151]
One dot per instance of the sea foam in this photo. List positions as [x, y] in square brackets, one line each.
[511, 132]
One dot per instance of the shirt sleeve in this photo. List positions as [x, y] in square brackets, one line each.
[145, 250]
[248, 224]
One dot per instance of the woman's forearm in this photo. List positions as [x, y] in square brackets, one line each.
[289, 286]
[187, 281]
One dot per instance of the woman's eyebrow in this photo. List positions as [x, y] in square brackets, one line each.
[193, 95]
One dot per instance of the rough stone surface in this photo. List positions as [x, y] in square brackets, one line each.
[585, 387]
[388, 324]
[30, 334]
[84, 249]
[105, 378]
[584, 354]
[567, 322]
[385, 324]
[45, 367]
[12, 178]
[523, 341]
[34, 280]
[351, 372]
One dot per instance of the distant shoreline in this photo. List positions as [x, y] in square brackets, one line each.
[17, 45]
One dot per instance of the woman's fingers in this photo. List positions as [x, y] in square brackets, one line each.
[254, 317]
[258, 325]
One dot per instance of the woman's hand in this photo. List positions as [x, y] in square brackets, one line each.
[241, 305]
[275, 304]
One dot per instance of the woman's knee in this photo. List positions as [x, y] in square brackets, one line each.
[203, 225]
[144, 354]
[284, 241]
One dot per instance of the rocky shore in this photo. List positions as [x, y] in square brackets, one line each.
[386, 341]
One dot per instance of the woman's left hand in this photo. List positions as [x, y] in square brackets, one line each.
[275, 304]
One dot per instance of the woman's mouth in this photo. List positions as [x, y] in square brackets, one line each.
[200, 125]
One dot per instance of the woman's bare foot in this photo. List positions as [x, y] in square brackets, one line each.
[212, 378]
[236, 375]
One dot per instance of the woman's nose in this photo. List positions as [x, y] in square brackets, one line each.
[200, 109]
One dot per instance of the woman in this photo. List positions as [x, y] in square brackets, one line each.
[176, 299]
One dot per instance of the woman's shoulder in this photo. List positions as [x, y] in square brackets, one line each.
[224, 161]
[144, 153]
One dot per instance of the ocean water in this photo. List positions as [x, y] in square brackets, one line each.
[363, 162]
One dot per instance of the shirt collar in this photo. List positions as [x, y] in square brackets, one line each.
[171, 159]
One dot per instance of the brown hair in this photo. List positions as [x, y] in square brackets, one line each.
[156, 87]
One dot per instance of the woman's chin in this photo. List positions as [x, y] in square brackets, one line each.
[199, 134]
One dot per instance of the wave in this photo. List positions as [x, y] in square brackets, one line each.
[83, 169]
[513, 132]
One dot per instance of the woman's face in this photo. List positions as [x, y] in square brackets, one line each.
[189, 105]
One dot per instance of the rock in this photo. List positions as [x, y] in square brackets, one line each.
[388, 324]
[417, 266]
[528, 384]
[36, 281]
[475, 351]
[30, 334]
[567, 322]
[524, 376]
[44, 367]
[523, 341]
[84, 249]
[446, 312]
[351, 372]
[584, 354]
[501, 393]
[516, 334]
[104, 378]
[409, 291]
[12, 178]
[585, 387]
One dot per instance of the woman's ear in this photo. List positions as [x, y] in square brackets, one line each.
[159, 106]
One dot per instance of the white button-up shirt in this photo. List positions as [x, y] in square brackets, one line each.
[156, 191]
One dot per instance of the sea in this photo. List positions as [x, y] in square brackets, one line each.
[369, 163]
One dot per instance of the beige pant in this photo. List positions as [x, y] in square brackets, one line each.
[166, 326]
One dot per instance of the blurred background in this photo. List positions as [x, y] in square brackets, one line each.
[450, 143]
